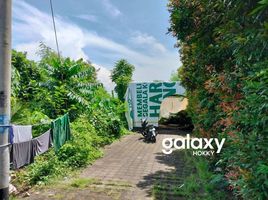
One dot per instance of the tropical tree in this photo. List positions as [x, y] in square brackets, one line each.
[25, 76]
[122, 76]
[69, 84]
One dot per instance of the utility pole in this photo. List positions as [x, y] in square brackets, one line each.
[5, 90]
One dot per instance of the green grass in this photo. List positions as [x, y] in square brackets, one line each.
[84, 182]
[11, 197]
[200, 184]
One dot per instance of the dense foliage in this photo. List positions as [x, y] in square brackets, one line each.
[122, 76]
[199, 183]
[45, 90]
[25, 76]
[224, 51]
[69, 85]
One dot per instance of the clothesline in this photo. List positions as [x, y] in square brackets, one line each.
[48, 123]
[10, 125]
[5, 145]
[5, 125]
[25, 147]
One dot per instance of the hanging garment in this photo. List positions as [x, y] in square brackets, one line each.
[61, 133]
[41, 144]
[21, 154]
[22, 133]
[11, 135]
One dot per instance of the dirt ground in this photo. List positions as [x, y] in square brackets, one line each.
[128, 171]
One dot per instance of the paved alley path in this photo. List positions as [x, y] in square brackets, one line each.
[128, 171]
[133, 161]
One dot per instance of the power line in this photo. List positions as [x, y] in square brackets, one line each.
[54, 25]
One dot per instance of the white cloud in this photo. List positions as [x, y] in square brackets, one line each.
[110, 8]
[31, 26]
[104, 77]
[147, 41]
[30, 48]
[87, 17]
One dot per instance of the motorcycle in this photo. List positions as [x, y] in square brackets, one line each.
[144, 125]
[148, 131]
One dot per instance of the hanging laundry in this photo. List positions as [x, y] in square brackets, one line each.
[11, 135]
[61, 133]
[21, 154]
[41, 144]
[22, 133]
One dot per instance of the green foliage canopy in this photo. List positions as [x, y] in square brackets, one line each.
[122, 76]
[25, 76]
[69, 84]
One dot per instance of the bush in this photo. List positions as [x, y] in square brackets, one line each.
[107, 116]
[202, 183]
[43, 170]
[247, 152]
[84, 145]
[224, 52]
[74, 156]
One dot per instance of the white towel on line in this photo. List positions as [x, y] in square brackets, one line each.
[22, 133]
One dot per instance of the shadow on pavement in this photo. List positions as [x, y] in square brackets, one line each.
[171, 129]
[166, 182]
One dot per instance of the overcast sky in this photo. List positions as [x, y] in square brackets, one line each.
[102, 31]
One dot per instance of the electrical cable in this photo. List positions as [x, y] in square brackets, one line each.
[54, 25]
